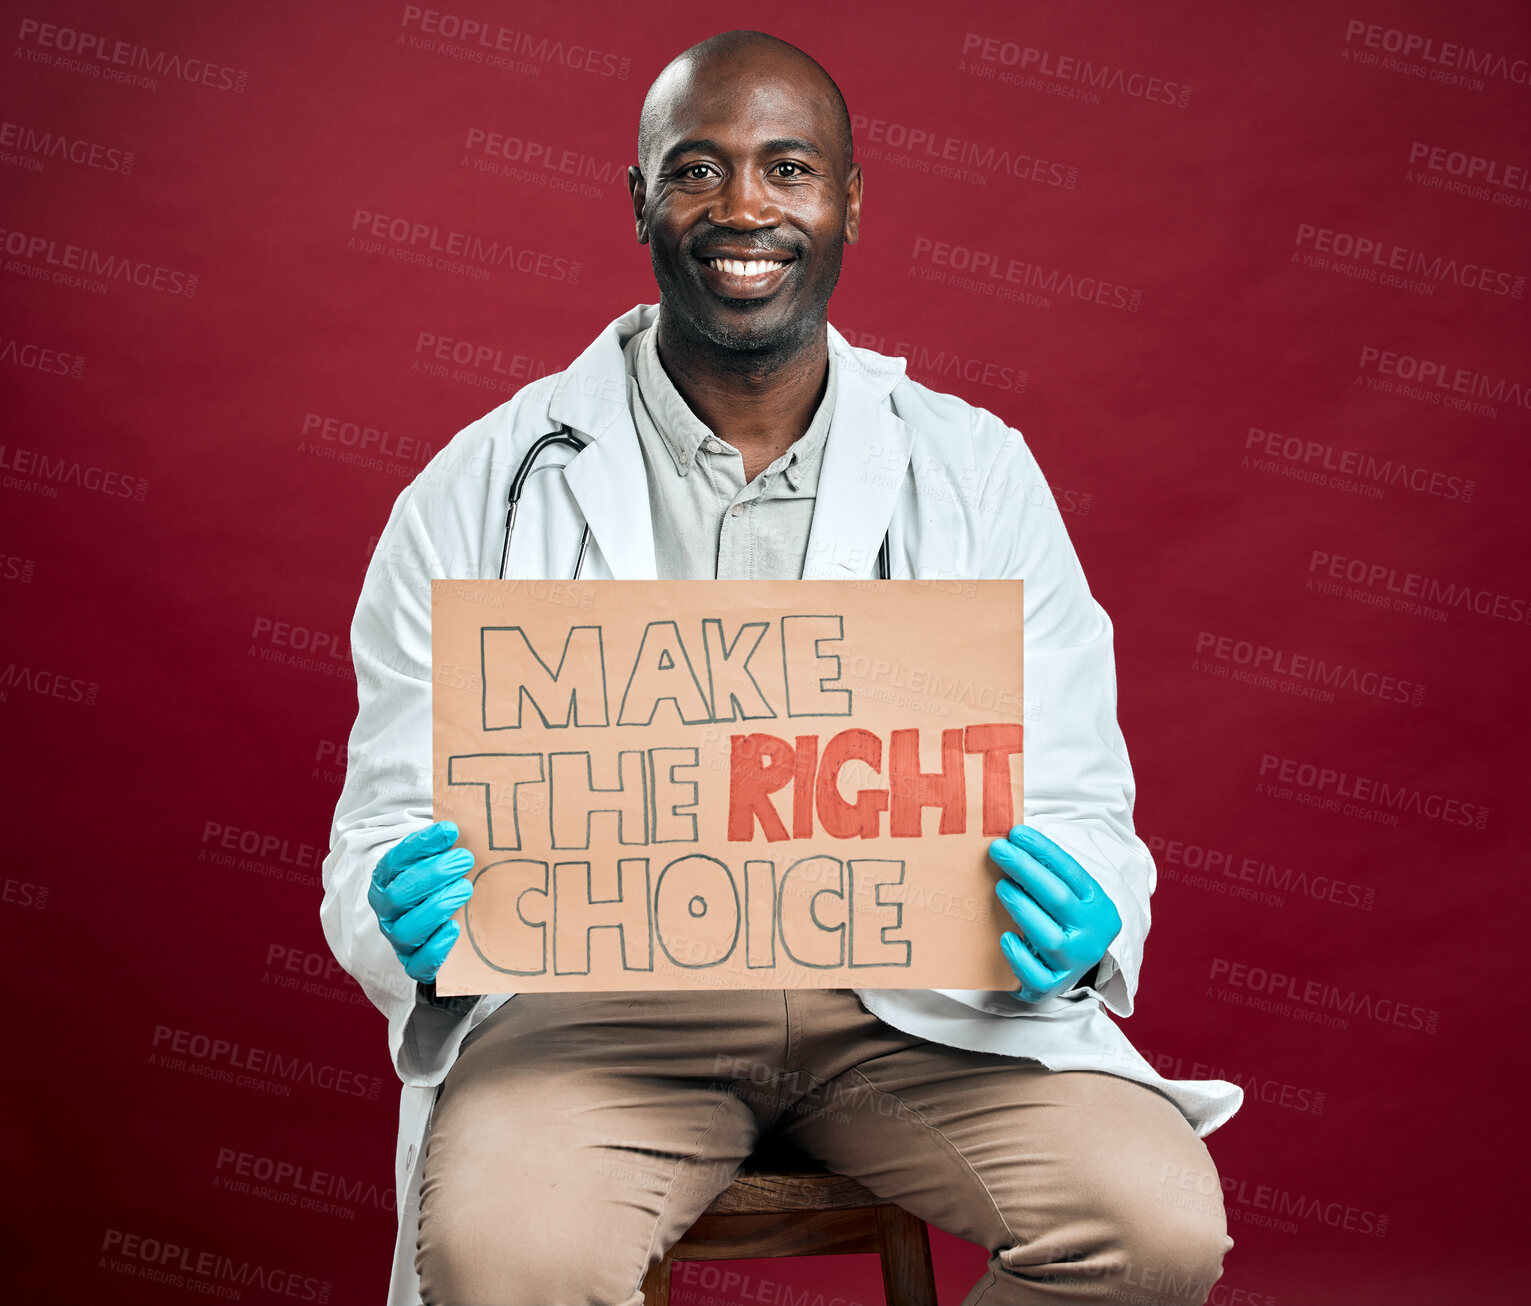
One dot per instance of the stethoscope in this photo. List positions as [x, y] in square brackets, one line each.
[565, 436]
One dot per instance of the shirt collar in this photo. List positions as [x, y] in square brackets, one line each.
[807, 451]
[684, 433]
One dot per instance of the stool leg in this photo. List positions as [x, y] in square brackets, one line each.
[908, 1278]
[656, 1283]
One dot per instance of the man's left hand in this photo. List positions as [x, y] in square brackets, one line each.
[1066, 919]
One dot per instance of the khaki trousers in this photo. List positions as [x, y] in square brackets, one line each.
[578, 1136]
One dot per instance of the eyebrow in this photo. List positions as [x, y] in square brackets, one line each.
[705, 145]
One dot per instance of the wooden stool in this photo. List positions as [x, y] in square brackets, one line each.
[783, 1204]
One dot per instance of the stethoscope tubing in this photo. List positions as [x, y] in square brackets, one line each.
[518, 483]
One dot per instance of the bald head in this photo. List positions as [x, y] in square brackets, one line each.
[745, 55]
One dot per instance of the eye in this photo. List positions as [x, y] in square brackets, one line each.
[798, 169]
[693, 171]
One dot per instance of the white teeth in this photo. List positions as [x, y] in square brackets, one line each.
[739, 268]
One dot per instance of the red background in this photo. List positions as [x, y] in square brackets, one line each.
[179, 560]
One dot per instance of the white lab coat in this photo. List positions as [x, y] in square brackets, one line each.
[959, 495]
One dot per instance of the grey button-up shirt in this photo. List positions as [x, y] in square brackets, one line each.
[709, 524]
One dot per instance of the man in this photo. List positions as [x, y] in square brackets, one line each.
[552, 1146]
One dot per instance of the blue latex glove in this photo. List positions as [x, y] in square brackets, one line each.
[416, 887]
[1067, 919]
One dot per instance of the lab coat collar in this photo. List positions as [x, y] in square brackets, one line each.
[607, 477]
[865, 458]
[865, 461]
[591, 393]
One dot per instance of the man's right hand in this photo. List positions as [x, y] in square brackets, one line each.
[416, 888]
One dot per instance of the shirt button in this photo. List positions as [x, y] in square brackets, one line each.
[684, 460]
[737, 509]
[714, 446]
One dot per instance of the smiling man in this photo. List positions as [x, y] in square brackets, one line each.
[745, 229]
[553, 1146]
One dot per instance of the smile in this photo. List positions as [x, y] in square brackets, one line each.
[746, 267]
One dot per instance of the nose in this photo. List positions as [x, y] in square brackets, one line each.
[744, 203]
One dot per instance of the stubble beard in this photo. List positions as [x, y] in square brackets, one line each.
[757, 352]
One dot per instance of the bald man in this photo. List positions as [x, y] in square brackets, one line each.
[575, 1137]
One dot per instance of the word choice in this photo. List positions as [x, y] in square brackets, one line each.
[821, 912]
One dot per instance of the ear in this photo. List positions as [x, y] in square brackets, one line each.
[638, 188]
[853, 205]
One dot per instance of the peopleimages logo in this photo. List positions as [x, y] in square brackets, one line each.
[1387, 586]
[433, 246]
[548, 163]
[355, 444]
[40, 358]
[1348, 469]
[320, 1192]
[17, 568]
[1315, 997]
[1306, 668]
[293, 645]
[1434, 57]
[996, 272]
[1371, 258]
[59, 145]
[88, 269]
[1272, 1092]
[944, 365]
[167, 1262]
[495, 46]
[52, 472]
[475, 363]
[929, 150]
[1015, 64]
[1251, 877]
[46, 683]
[1328, 789]
[254, 850]
[1439, 381]
[1471, 169]
[229, 1061]
[101, 55]
[1268, 1206]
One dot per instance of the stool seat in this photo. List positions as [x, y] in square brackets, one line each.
[782, 1203]
[777, 1178]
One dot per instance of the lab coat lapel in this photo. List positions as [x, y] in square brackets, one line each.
[607, 477]
[608, 482]
[865, 460]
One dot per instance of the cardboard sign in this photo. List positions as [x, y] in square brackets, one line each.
[730, 784]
